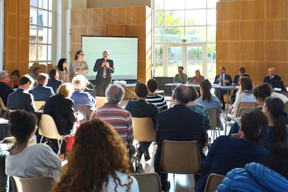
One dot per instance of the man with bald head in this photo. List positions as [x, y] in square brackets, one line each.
[119, 118]
[178, 124]
[271, 76]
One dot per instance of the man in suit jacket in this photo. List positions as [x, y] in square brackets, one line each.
[178, 124]
[54, 80]
[223, 80]
[21, 98]
[271, 76]
[104, 68]
[4, 87]
[241, 73]
[41, 92]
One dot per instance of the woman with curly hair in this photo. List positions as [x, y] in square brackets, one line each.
[97, 162]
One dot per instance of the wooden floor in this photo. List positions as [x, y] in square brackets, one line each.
[181, 182]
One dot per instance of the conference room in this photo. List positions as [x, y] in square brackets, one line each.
[143, 95]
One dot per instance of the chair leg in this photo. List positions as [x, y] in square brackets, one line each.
[5, 114]
[59, 146]
[41, 139]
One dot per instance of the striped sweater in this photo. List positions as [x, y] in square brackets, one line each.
[119, 118]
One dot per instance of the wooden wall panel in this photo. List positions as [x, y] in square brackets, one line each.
[262, 37]
[16, 55]
[119, 21]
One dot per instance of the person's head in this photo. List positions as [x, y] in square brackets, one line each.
[65, 89]
[241, 71]
[246, 84]
[105, 54]
[197, 73]
[194, 94]
[42, 79]
[53, 74]
[22, 126]
[254, 125]
[274, 109]
[277, 159]
[271, 72]
[26, 82]
[205, 90]
[15, 75]
[79, 55]
[221, 70]
[4, 76]
[36, 70]
[181, 95]
[180, 69]
[141, 90]
[79, 82]
[62, 64]
[114, 93]
[262, 91]
[98, 151]
[152, 85]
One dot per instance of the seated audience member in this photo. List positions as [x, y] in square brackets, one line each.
[54, 81]
[4, 87]
[198, 108]
[80, 97]
[158, 100]
[227, 153]
[4, 179]
[271, 175]
[244, 94]
[61, 108]
[197, 79]
[237, 78]
[62, 70]
[180, 77]
[271, 76]
[222, 79]
[208, 100]
[97, 141]
[277, 130]
[15, 77]
[261, 92]
[119, 118]
[35, 72]
[141, 108]
[37, 160]
[21, 98]
[178, 124]
[42, 92]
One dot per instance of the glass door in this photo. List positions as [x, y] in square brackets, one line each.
[174, 59]
[194, 59]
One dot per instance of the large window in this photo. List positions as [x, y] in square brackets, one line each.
[40, 45]
[193, 20]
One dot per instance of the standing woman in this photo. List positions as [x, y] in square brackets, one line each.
[79, 66]
[62, 70]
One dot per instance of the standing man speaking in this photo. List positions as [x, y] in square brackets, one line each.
[104, 68]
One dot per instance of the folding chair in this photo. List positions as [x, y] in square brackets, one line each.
[43, 184]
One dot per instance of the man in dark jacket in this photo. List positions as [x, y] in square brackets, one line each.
[42, 92]
[271, 76]
[4, 87]
[178, 124]
[54, 82]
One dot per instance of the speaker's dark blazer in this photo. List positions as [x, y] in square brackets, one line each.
[42, 92]
[227, 77]
[178, 124]
[99, 69]
[267, 79]
[237, 78]
[21, 99]
[61, 109]
[54, 83]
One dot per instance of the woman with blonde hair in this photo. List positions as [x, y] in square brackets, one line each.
[97, 162]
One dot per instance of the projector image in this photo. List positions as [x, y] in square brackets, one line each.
[123, 83]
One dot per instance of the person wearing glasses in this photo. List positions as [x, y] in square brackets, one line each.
[4, 86]
[79, 66]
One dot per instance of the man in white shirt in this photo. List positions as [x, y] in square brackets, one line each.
[222, 79]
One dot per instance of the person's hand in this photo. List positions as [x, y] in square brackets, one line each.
[233, 84]
[107, 65]
[40, 111]
[194, 81]
[9, 145]
[103, 64]
[226, 81]
[221, 78]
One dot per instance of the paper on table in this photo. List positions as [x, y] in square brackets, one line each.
[238, 87]
[3, 121]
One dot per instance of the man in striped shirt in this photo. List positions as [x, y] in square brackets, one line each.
[155, 99]
[119, 118]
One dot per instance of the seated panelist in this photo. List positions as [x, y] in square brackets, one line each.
[181, 77]
[271, 76]
[237, 79]
[197, 79]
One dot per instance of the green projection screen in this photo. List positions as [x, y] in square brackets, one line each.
[122, 50]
